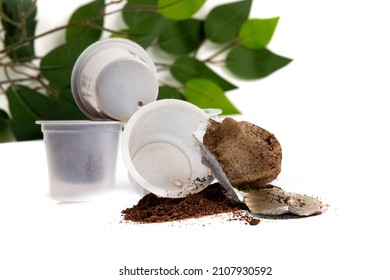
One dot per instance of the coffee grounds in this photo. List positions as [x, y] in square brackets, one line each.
[210, 201]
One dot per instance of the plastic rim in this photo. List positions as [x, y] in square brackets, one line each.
[83, 125]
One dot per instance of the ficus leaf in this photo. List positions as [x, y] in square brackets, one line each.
[58, 64]
[5, 130]
[206, 94]
[186, 68]
[16, 27]
[223, 22]
[166, 24]
[257, 33]
[144, 21]
[183, 37]
[166, 92]
[65, 108]
[179, 9]
[6, 135]
[4, 120]
[90, 18]
[121, 33]
[137, 12]
[254, 64]
[27, 106]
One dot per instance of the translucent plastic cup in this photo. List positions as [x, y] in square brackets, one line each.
[112, 78]
[81, 158]
[160, 152]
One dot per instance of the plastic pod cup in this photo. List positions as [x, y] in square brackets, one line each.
[81, 158]
[112, 79]
[160, 151]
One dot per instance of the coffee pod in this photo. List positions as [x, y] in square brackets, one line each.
[112, 79]
[160, 151]
[81, 158]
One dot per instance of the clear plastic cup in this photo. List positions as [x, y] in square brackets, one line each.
[81, 158]
[160, 152]
[112, 78]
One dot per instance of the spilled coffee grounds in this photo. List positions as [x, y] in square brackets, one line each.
[210, 201]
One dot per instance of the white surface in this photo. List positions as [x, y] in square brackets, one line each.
[45, 238]
[328, 108]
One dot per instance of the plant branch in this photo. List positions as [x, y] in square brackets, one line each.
[8, 77]
[198, 48]
[164, 83]
[98, 27]
[85, 21]
[7, 81]
[26, 69]
[31, 9]
[7, 19]
[222, 50]
[22, 19]
[162, 64]
[139, 9]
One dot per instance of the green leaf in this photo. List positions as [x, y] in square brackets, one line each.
[88, 20]
[254, 64]
[144, 21]
[223, 22]
[17, 28]
[186, 68]
[205, 94]
[4, 120]
[6, 135]
[166, 92]
[183, 37]
[179, 9]
[5, 130]
[27, 106]
[121, 33]
[57, 65]
[257, 33]
[64, 108]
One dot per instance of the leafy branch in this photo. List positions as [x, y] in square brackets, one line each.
[39, 87]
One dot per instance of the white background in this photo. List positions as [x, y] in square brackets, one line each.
[328, 109]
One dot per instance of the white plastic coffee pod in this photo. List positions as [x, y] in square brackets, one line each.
[81, 158]
[160, 152]
[112, 78]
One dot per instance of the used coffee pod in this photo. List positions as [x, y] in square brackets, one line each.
[81, 158]
[160, 152]
[112, 78]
